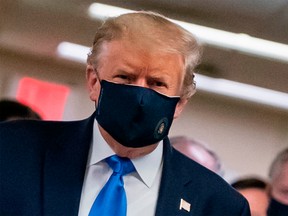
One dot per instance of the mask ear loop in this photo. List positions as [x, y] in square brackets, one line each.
[97, 75]
[98, 79]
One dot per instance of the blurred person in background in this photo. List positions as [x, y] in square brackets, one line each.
[255, 190]
[278, 174]
[14, 110]
[197, 151]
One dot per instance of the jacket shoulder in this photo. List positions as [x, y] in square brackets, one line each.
[209, 192]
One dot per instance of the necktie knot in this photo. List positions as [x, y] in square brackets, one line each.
[120, 165]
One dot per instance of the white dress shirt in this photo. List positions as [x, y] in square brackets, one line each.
[141, 186]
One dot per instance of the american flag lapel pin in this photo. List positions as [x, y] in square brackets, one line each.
[184, 205]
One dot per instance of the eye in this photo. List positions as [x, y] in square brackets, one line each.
[123, 78]
[157, 83]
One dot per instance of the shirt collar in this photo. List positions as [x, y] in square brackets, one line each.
[99, 149]
[147, 166]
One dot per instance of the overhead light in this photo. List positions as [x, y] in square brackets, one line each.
[242, 91]
[210, 36]
[74, 52]
[224, 87]
[102, 11]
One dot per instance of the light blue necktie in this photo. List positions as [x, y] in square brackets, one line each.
[111, 201]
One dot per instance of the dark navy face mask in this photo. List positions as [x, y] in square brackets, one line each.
[134, 116]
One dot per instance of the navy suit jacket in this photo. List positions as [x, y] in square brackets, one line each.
[42, 167]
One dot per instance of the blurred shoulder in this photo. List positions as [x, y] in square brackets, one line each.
[35, 131]
[29, 126]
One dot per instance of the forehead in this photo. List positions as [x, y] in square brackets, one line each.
[135, 54]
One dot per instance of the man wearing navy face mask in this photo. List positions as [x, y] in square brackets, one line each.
[119, 161]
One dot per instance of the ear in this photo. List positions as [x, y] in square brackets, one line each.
[179, 107]
[92, 82]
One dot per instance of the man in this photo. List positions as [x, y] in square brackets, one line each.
[198, 152]
[255, 190]
[140, 75]
[278, 174]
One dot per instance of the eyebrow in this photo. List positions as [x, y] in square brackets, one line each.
[126, 72]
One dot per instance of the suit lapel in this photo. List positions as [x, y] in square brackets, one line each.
[65, 165]
[172, 188]
[64, 168]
